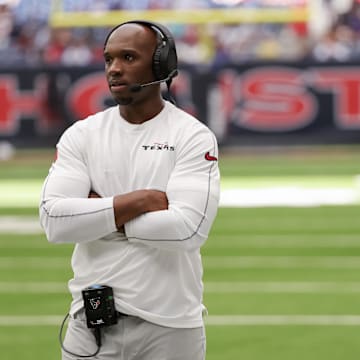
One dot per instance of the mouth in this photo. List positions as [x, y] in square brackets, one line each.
[116, 86]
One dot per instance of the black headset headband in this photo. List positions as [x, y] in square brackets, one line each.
[164, 62]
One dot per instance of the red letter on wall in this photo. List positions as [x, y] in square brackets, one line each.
[15, 104]
[344, 83]
[275, 99]
[87, 95]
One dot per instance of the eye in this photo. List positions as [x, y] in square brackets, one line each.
[107, 60]
[129, 57]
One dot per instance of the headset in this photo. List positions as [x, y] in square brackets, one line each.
[164, 62]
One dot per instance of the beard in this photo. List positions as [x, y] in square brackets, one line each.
[123, 100]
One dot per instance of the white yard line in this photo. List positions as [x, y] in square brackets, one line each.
[258, 197]
[210, 320]
[287, 196]
[20, 225]
[210, 287]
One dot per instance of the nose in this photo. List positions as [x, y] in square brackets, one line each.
[115, 67]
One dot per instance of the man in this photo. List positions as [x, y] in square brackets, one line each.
[136, 188]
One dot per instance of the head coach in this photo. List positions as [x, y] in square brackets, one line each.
[136, 188]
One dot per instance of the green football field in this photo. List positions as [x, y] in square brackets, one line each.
[280, 282]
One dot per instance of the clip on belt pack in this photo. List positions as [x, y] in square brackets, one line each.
[99, 306]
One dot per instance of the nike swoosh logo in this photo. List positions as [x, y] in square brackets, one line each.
[209, 157]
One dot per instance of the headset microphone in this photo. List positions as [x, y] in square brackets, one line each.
[138, 87]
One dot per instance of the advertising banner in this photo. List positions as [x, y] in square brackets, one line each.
[258, 104]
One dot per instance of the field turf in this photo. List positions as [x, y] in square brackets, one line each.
[280, 283]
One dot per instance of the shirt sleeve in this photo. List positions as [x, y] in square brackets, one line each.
[193, 193]
[66, 213]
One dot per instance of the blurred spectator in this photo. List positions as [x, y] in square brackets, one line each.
[294, 42]
[340, 41]
[77, 53]
[10, 53]
[26, 38]
[88, 5]
[30, 10]
[189, 4]
[60, 38]
[193, 46]
[352, 17]
[6, 24]
[331, 47]
[221, 55]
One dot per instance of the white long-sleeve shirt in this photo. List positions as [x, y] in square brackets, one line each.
[155, 270]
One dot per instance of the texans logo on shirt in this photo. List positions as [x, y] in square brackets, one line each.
[159, 146]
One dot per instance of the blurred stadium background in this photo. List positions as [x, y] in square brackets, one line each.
[278, 81]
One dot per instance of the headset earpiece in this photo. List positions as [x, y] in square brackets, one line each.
[165, 57]
[158, 62]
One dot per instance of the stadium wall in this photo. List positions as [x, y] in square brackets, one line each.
[255, 104]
